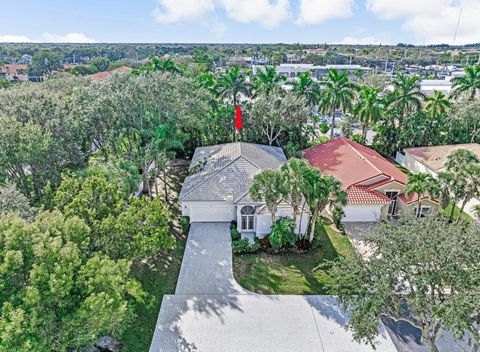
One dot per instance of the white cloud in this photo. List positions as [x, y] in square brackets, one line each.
[172, 11]
[317, 11]
[433, 21]
[366, 40]
[67, 38]
[268, 13]
[12, 38]
[217, 28]
[48, 38]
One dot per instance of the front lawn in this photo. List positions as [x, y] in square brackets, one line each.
[292, 273]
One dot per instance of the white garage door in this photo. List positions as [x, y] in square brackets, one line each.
[362, 213]
[211, 213]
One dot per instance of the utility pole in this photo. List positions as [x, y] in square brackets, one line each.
[458, 24]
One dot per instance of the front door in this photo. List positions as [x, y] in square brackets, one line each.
[247, 218]
[393, 195]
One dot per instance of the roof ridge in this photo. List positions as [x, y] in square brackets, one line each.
[361, 155]
[209, 177]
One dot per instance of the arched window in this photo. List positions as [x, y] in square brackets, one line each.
[248, 218]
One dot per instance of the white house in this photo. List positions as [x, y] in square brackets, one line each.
[432, 160]
[218, 188]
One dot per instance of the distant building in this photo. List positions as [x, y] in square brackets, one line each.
[99, 76]
[427, 86]
[14, 72]
[292, 70]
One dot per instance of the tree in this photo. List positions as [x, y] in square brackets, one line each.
[421, 184]
[232, 83]
[101, 63]
[307, 88]
[292, 184]
[157, 64]
[467, 85]
[424, 271]
[277, 112]
[267, 80]
[44, 63]
[321, 191]
[55, 295]
[267, 187]
[13, 201]
[406, 97]
[339, 93]
[368, 109]
[437, 106]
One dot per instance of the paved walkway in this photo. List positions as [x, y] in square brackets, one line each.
[210, 312]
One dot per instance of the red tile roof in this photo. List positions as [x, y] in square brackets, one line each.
[365, 195]
[351, 162]
[105, 74]
[12, 69]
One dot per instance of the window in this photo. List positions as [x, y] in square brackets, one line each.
[423, 211]
[247, 218]
[393, 195]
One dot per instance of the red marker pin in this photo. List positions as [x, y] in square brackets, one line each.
[238, 117]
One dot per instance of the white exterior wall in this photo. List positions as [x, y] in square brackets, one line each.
[362, 213]
[208, 211]
[264, 222]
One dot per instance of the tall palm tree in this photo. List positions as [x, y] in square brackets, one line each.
[339, 93]
[321, 191]
[406, 97]
[292, 186]
[459, 159]
[306, 87]
[368, 108]
[231, 83]
[422, 184]
[268, 80]
[437, 104]
[266, 186]
[468, 85]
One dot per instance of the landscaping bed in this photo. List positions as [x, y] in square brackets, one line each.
[289, 272]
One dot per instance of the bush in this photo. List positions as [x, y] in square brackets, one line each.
[185, 223]
[357, 138]
[235, 234]
[282, 234]
[243, 246]
[337, 216]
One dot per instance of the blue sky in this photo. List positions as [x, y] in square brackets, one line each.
[240, 21]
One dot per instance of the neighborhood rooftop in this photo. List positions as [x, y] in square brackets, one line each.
[435, 156]
[225, 170]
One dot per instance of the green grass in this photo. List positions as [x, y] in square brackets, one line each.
[157, 278]
[456, 211]
[292, 273]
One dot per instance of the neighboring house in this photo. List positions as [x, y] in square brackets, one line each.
[218, 188]
[374, 186]
[100, 76]
[432, 160]
[14, 72]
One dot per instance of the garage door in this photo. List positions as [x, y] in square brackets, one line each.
[211, 213]
[362, 214]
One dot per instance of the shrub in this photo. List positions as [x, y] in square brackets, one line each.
[185, 223]
[234, 234]
[244, 246]
[255, 246]
[282, 234]
[337, 216]
[357, 138]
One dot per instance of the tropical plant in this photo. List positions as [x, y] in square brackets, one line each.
[368, 108]
[231, 83]
[267, 80]
[423, 271]
[307, 88]
[291, 174]
[422, 185]
[406, 97]
[339, 93]
[282, 234]
[467, 85]
[320, 192]
[267, 187]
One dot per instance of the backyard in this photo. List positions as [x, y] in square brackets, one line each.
[292, 273]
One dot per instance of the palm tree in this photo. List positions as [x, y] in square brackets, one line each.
[339, 93]
[306, 87]
[321, 191]
[292, 186]
[268, 80]
[469, 180]
[422, 184]
[468, 85]
[459, 159]
[266, 186]
[231, 83]
[368, 109]
[406, 97]
[437, 104]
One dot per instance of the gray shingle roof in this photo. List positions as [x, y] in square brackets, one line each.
[226, 170]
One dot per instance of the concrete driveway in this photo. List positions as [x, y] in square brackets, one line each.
[210, 312]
